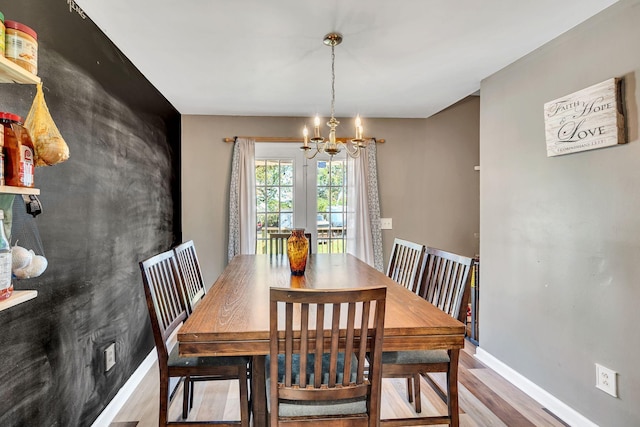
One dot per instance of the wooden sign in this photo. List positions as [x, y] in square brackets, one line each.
[585, 120]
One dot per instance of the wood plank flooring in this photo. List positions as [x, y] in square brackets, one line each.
[486, 399]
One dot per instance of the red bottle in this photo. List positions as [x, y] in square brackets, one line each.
[18, 152]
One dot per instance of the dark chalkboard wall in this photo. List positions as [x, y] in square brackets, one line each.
[113, 203]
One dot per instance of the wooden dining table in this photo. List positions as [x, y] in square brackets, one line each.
[233, 317]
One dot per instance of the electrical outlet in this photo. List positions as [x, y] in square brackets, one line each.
[606, 380]
[110, 356]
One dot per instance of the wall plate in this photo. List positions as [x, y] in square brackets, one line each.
[110, 356]
[606, 380]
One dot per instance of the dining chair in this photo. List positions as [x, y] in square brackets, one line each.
[167, 312]
[405, 263]
[192, 286]
[192, 289]
[278, 243]
[406, 267]
[317, 360]
[446, 284]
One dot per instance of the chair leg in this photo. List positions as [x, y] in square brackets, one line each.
[191, 394]
[452, 388]
[186, 384]
[410, 389]
[416, 390]
[164, 400]
[244, 396]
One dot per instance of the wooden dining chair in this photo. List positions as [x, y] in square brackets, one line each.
[405, 263]
[192, 290]
[406, 267]
[446, 284]
[192, 286]
[278, 243]
[316, 364]
[167, 312]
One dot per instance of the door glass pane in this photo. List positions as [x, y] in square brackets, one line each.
[331, 193]
[260, 174]
[323, 173]
[273, 172]
[286, 175]
[286, 199]
[274, 199]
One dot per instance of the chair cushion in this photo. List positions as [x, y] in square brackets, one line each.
[321, 408]
[415, 357]
[176, 360]
[295, 367]
[290, 408]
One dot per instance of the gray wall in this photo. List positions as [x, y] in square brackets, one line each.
[560, 236]
[425, 169]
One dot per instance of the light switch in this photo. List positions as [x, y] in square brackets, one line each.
[386, 223]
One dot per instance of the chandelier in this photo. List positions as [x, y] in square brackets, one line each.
[332, 146]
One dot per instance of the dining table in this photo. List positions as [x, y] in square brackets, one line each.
[233, 317]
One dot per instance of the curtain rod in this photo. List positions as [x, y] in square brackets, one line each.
[289, 139]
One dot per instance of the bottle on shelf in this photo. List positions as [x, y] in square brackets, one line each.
[6, 286]
[18, 152]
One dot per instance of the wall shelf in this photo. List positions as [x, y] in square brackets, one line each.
[7, 189]
[18, 297]
[11, 72]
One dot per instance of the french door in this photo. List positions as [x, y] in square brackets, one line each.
[295, 192]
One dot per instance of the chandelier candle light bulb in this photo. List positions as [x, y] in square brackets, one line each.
[316, 130]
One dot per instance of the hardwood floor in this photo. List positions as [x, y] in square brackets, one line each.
[486, 399]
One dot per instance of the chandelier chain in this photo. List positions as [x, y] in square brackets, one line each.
[333, 80]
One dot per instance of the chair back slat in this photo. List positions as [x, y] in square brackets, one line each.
[289, 346]
[350, 339]
[335, 334]
[362, 351]
[304, 341]
[166, 307]
[319, 347]
[335, 327]
[446, 281]
[191, 283]
[405, 263]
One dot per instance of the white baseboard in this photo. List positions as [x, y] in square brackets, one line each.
[547, 400]
[116, 404]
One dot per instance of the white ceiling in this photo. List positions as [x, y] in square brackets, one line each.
[403, 58]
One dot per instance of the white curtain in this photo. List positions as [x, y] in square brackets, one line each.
[242, 193]
[364, 238]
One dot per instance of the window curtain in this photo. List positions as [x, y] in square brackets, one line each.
[363, 209]
[242, 192]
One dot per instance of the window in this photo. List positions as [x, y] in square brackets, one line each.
[294, 192]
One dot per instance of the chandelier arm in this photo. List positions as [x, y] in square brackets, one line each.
[315, 152]
[314, 155]
[356, 150]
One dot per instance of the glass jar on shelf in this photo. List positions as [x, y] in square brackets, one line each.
[6, 285]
